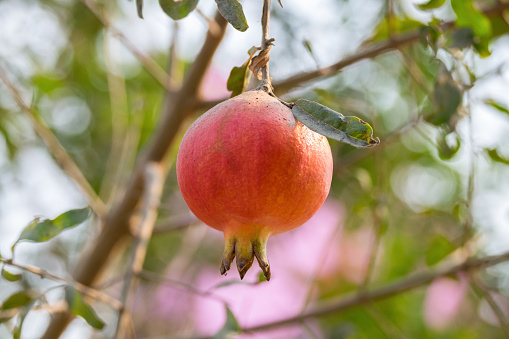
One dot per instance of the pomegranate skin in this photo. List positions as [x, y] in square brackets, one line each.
[248, 168]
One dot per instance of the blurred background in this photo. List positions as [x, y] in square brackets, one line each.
[433, 193]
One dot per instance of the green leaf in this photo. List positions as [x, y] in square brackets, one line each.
[42, 230]
[496, 105]
[178, 9]
[398, 25]
[445, 150]
[493, 154]
[230, 327]
[232, 11]
[334, 125]
[10, 276]
[139, 8]
[17, 300]
[468, 16]
[79, 307]
[447, 96]
[432, 4]
[239, 78]
[439, 249]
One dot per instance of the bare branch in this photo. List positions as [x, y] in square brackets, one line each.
[93, 293]
[390, 290]
[63, 158]
[154, 182]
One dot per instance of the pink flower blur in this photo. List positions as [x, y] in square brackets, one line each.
[443, 301]
[214, 86]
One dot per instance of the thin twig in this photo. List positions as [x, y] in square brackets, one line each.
[154, 182]
[482, 291]
[148, 63]
[119, 124]
[390, 290]
[91, 292]
[175, 223]
[377, 223]
[57, 150]
[469, 221]
[266, 42]
[189, 288]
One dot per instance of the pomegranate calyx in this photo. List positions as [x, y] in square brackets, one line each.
[245, 250]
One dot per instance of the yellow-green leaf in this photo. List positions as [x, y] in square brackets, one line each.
[42, 230]
[432, 4]
[10, 276]
[493, 154]
[439, 249]
[178, 9]
[17, 300]
[79, 307]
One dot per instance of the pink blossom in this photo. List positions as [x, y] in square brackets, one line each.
[443, 301]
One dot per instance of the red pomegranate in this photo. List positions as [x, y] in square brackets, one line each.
[248, 168]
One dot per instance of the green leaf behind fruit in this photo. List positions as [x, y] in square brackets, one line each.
[178, 9]
[321, 119]
[239, 78]
[232, 11]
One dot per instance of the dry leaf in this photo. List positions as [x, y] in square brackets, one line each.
[260, 61]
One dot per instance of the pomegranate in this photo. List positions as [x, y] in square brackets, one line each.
[249, 169]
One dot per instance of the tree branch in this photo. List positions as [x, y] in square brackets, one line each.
[57, 150]
[116, 225]
[154, 182]
[93, 293]
[390, 290]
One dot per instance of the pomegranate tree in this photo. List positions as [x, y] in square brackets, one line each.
[248, 168]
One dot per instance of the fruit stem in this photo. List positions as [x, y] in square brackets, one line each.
[245, 250]
[266, 84]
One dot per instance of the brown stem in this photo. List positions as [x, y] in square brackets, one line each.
[154, 182]
[116, 224]
[266, 84]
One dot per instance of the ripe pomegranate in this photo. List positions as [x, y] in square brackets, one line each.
[248, 168]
